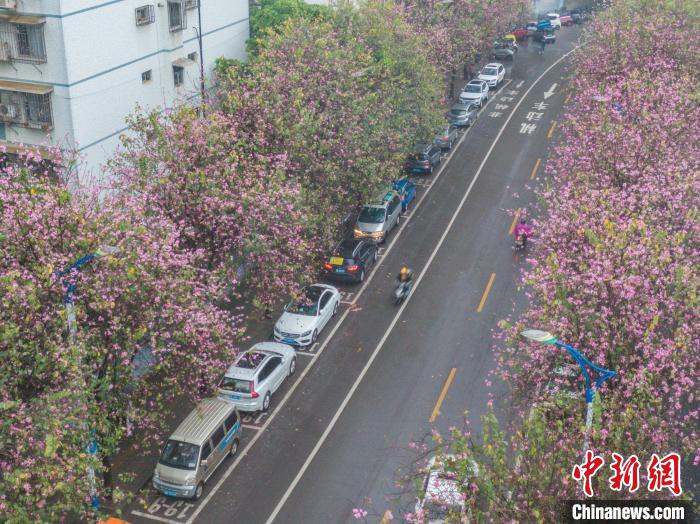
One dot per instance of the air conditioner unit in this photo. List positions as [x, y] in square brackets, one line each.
[8, 4]
[9, 111]
[5, 52]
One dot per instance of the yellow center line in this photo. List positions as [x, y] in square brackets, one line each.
[486, 293]
[534, 169]
[515, 219]
[436, 409]
[551, 129]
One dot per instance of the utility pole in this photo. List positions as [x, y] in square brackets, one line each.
[201, 58]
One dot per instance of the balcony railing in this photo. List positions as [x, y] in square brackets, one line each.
[24, 108]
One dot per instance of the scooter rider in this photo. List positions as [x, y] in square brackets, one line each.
[522, 229]
[405, 278]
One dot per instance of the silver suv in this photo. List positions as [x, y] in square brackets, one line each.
[257, 374]
[377, 220]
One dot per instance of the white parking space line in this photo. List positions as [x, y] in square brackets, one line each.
[248, 426]
[154, 517]
[388, 331]
[243, 452]
[260, 417]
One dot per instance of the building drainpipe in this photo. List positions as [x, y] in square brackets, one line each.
[201, 58]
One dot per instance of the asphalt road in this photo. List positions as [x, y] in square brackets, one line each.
[338, 437]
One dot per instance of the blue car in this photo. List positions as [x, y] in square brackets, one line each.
[407, 190]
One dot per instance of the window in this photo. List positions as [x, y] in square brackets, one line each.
[145, 15]
[30, 43]
[178, 75]
[191, 4]
[146, 76]
[192, 56]
[231, 421]
[325, 299]
[265, 372]
[176, 16]
[218, 436]
[206, 451]
[38, 110]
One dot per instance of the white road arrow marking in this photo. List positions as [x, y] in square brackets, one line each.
[520, 84]
[549, 93]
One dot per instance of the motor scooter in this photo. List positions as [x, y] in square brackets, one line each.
[401, 292]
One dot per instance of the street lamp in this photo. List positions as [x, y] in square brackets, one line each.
[69, 286]
[544, 337]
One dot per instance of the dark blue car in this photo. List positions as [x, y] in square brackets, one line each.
[406, 189]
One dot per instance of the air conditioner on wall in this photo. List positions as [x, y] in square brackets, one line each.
[8, 4]
[9, 112]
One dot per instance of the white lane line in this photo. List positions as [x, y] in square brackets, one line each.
[248, 426]
[243, 452]
[154, 517]
[347, 398]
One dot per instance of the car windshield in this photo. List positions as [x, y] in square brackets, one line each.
[307, 303]
[235, 384]
[180, 455]
[459, 112]
[472, 88]
[490, 71]
[345, 249]
[375, 215]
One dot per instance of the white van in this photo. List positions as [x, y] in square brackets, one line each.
[197, 447]
[554, 20]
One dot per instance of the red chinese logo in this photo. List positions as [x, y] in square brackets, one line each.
[665, 473]
[625, 473]
[586, 471]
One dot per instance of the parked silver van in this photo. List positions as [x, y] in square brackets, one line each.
[376, 220]
[197, 447]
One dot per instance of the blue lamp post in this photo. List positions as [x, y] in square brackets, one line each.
[545, 337]
[68, 280]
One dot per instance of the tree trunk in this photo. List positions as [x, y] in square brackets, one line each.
[107, 477]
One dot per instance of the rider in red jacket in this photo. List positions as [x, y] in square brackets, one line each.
[522, 228]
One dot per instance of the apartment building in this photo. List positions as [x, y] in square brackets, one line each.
[72, 70]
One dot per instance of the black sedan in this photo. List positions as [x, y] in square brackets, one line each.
[351, 260]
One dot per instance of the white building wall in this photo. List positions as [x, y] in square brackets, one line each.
[96, 54]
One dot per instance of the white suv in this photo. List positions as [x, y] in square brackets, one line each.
[475, 92]
[493, 74]
[256, 374]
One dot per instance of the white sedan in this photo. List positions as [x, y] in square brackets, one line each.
[305, 317]
[493, 74]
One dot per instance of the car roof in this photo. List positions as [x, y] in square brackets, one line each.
[347, 246]
[202, 420]
[421, 147]
[476, 81]
[402, 183]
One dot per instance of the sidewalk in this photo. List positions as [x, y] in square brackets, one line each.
[132, 469]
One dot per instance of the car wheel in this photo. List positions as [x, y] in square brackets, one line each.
[398, 220]
[376, 255]
[234, 448]
[314, 336]
[430, 170]
[362, 276]
[292, 366]
[335, 308]
[198, 491]
[266, 402]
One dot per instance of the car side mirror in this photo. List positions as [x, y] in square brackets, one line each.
[204, 463]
